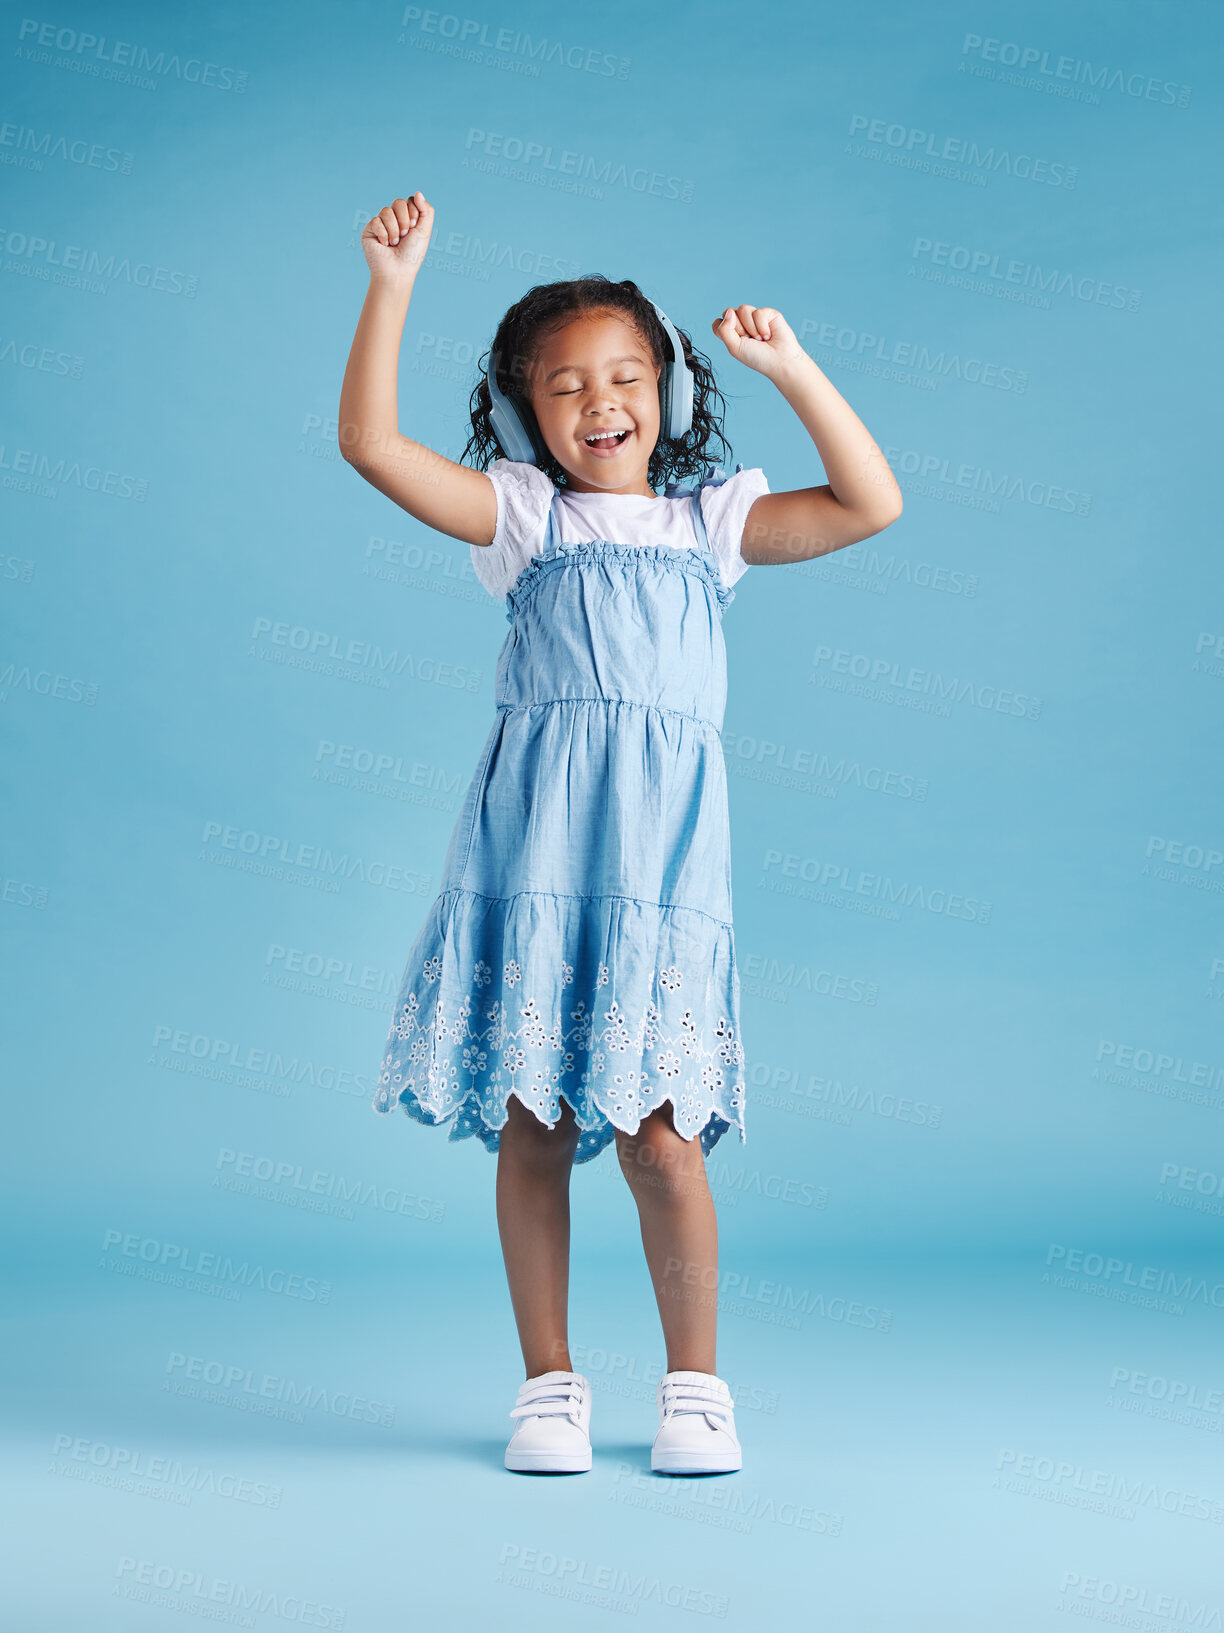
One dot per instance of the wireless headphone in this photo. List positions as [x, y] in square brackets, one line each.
[520, 436]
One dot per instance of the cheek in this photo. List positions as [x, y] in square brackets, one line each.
[550, 411]
[647, 408]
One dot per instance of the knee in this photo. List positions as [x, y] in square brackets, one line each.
[532, 1141]
[658, 1164]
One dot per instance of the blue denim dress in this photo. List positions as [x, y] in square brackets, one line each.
[581, 947]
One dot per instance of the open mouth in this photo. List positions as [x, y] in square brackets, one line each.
[605, 441]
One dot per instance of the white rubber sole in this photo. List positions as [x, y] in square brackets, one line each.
[696, 1463]
[549, 1462]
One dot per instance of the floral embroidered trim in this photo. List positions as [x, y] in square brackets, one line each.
[439, 1067]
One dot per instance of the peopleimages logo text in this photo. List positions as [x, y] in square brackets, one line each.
[186, 1261]
[1124, 1273]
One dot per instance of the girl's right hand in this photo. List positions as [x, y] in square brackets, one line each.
[395, 240]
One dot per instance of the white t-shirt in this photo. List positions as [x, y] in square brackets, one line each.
[524, 494]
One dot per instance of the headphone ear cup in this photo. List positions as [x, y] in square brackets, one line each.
[665, 401]
[532, 426]
[676, 385]
[682, 392]
[517, 433]
[512, 435]
[676, 388]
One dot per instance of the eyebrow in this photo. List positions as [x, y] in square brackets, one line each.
[634, 357]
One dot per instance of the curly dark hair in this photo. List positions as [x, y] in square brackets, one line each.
[545, 308]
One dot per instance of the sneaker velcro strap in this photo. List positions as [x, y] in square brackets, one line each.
[545, 1408]
[553, 1397]
[679, 1398]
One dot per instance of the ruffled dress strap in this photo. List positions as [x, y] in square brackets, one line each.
[550, 546]
[552, 533]
[678, 490]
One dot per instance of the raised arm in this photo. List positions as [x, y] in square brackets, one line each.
[438, 491]
[861, 496]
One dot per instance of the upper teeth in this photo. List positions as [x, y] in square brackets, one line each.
[596, 436]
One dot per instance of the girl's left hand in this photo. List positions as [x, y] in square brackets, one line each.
[758, 336]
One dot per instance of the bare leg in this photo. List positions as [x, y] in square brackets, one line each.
[533, 1218]
[680, 1234]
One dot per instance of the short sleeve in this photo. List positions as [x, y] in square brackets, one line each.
[724, 510]
[524, 494]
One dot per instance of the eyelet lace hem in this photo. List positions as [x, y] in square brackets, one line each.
[460, 1046]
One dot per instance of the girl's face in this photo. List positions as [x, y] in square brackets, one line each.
[596, 375]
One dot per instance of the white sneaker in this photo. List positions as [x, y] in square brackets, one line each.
[696, 1426]
[553, 1434]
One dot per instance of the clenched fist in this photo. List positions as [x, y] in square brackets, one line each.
[758, 336]
[395, 240]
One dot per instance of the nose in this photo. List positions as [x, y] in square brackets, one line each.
[599, 398]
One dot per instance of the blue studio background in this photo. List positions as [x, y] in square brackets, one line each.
[260, 1345]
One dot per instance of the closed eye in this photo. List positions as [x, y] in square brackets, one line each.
[576, 389]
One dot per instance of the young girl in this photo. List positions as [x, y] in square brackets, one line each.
[575, 981]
